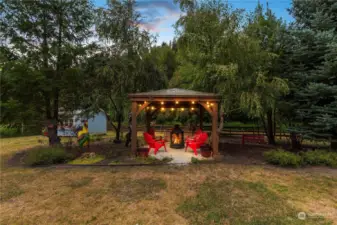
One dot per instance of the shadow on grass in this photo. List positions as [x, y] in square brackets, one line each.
[9, 191]
[133, 190]
[80, 183]
[240, 202]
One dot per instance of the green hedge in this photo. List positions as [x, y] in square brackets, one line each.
[320, 157]
[315, 158]
[7, 131]
[47, 156]
[283, 158]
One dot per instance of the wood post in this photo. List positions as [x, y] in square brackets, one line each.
[215, 135]
[134, 127]
[201, 117]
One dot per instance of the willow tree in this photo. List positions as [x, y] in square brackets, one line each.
[220, 55]
[121, 64]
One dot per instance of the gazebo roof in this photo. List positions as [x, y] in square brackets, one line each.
[174, 93]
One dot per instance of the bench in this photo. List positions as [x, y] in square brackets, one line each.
[253, 138]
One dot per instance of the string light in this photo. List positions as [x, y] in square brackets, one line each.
[177, 102]
[192, 109]
[162, 109]
[145, 102]
[207, 103]
[211, 104]
[172, 109]
[162, 103]
[193, 102]
[140, 105]
[182, 109]
[147, 107]
[152, 108]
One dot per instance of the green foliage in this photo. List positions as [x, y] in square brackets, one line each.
[87, 158]
[195, 160]
[315, 158]
[283, 158]
[311, 68]
[47, 156]
[7, 131]
[94, 137]
[320, 157]
[153, 160]
[41, 58]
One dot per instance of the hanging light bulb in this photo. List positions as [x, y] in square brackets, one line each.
[145, 102]
[182, 109]
[140, 105]
[152, 108]
[207, 103]
[177, 102]
[172, 109]
[212, 104]
[193, 102]
[162, 109]
[192, 108]
[162, 103]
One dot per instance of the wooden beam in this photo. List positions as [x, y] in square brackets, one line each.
[215, 135]
[134, 127]
[208, 109]
[142, 107]
[173, 99]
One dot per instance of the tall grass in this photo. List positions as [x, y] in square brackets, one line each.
[7, 131]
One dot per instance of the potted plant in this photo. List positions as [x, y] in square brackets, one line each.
[206, 150]
[141, 150]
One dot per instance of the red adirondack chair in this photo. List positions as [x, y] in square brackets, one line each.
[194, 137]
[197, 142]
[156, 144]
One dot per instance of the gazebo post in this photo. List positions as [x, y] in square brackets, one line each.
[201, 117]
[134, 127]
[215, 138]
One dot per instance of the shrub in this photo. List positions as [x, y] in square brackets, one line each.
[195, 160]
[47, 156]
[94, 137]
[283, 158]
[7, 131]
[320, 157]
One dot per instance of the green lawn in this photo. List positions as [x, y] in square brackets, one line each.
[195, 194]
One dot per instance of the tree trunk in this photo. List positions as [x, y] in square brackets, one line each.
[295, 143]
[270, 129]
[118, 129]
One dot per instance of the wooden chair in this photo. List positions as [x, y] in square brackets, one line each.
[156, 144]
[195, 143]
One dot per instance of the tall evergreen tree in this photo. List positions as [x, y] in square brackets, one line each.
[313, 63]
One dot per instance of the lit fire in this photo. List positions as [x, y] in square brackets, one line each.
[176, 138]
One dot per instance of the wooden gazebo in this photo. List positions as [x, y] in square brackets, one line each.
[176, 99]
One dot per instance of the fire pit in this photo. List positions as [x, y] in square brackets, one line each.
[177, 137]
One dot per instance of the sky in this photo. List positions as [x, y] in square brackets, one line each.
[159, 16]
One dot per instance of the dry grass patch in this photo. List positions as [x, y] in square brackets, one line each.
[140, 189]
[239, 202]
[80, 182]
